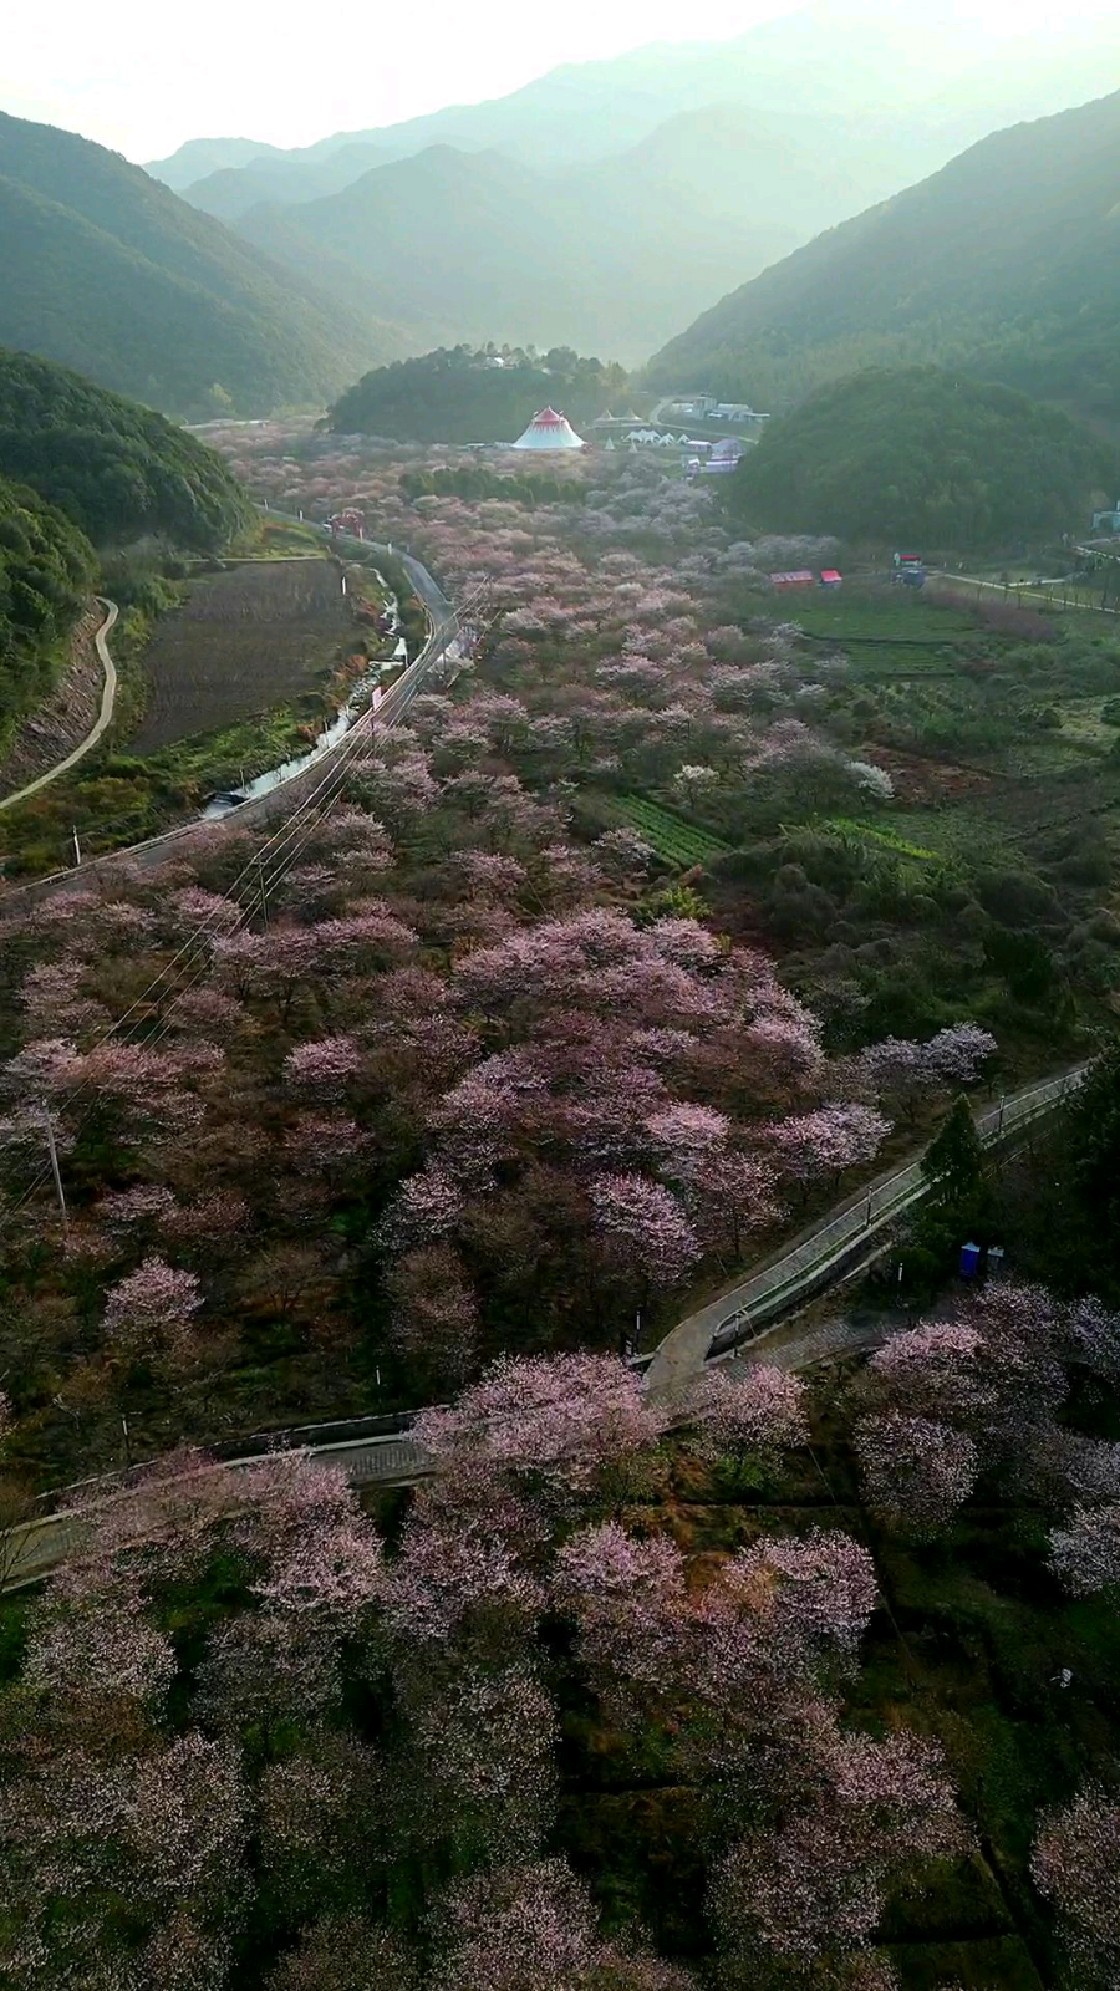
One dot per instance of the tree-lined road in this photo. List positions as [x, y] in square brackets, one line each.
[825, 1252]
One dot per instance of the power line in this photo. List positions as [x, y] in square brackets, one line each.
[295, 831]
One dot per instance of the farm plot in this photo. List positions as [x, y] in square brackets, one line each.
[674, 840]
[244, 640]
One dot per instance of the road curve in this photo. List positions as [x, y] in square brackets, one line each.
[104, 717]
[825, 1252]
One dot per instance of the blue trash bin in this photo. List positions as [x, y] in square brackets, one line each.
[970, 1260]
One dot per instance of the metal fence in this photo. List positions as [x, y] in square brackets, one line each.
[795, 1274]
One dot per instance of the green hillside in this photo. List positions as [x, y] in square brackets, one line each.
[1006, 264]
[117, 469]
[923, 456]
[454, 396]
[46, 566]
[109, 272]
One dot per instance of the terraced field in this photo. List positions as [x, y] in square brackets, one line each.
[245, 640]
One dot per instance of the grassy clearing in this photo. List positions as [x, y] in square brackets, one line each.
[676, 841]
[879, 615]
[889, 839]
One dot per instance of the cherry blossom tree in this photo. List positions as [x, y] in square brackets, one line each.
[827, 1141]
[646, 1234]
[625, 1597]
[538, 1422]
[916, 1472]
[434, 1316]
[1085, 1555]
[459, 1580]
[1074, 1864]
[480, 1759]
[812, 1889]
[326, 1067]
[154, 1307]
[762, 1412]
[346, 1953]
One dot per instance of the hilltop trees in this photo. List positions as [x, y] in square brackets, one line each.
[459, 395]
[114, 467]
[920, 456]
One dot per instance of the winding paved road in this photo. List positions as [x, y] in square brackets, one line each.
[827, 1251]
[104, 717]
[820, 1259]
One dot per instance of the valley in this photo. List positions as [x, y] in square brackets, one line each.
[559, 994]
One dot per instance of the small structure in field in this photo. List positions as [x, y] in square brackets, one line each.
[549, 431]
[796, 577]
[830, 577]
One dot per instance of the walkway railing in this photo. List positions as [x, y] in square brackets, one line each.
[822, 1254]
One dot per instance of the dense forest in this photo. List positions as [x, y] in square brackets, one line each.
[1003, 264]
[921, 455]
[109, 272]
[46, 565]
[456, 395]
[117, 469]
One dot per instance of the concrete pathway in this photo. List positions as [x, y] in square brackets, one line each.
[821, 1255]
[104, 717]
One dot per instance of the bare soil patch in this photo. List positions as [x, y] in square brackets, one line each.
[243, 641]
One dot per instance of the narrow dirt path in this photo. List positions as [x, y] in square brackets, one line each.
[104, 717]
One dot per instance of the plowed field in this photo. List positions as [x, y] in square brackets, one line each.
[244, 640]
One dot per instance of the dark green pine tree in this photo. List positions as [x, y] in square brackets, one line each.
[954, 1165]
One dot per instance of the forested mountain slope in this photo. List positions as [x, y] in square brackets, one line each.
[916, 454]
[46, 566]
[1005, 264]
[108, 271]
[117, 469]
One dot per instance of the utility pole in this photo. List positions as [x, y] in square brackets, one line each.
[264, 897]
[53, 1150]
[77, 845]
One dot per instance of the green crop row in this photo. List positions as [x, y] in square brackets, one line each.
[674, 840]
[889, 838]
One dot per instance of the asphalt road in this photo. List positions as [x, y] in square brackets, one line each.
[823, 1254]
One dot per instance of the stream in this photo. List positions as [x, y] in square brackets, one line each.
[365, 687]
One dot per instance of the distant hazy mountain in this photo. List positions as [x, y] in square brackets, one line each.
[607, 258]
[108, 272]
[232, 191]
[932, 83]
[1006, 264]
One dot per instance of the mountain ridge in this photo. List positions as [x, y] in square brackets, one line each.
[1004, 264]
[109, 272]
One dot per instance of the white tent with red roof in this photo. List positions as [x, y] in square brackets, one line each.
[548, 430]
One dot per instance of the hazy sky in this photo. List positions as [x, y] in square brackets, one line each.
[142, 76]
